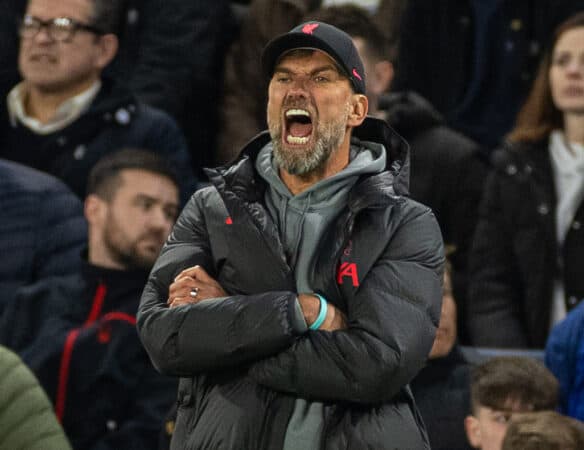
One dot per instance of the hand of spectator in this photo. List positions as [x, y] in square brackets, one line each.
[334, 320]
[193, 285]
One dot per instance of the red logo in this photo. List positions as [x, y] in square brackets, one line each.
[309, 28]
[348, 270]
[228, 221]
[356, 74]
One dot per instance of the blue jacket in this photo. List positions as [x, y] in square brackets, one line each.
[564, 356]
[42, 228]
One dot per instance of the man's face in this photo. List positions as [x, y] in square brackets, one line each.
[136, 222]
[308, 110]
[59, 67]
[487, 427]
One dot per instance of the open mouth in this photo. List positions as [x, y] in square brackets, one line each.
[298, 126]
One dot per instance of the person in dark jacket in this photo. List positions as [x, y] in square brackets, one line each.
[442, 388]
[474, 60]
[446, 170]
[78, 333]
[526, 261]
[64, 116]
[42, 229]
[299, 294]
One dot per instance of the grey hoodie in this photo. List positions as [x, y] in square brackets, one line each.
[302, 221]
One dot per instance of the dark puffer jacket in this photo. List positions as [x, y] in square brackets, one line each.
[79, 337]
[115, 120]
[42, 228]
[516, 257]
[242, 362]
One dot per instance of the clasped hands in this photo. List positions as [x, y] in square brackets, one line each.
[194, 285]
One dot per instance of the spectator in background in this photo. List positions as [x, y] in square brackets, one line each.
[526, 261]
[544, 430]
[64, 115]
[446, 172]
[42, 229]
[501, 387]
[474, 60]
[171, 56]
[27, 420]
[442, 388]
[78, 333]
[564, 355]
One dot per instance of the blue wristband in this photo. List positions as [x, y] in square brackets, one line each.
[321, 314]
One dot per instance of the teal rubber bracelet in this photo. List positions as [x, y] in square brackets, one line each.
[321, 314]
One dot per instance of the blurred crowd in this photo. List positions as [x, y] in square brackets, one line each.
[111, 110]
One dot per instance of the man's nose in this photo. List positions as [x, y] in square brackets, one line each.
[159, 220]
[43, 36]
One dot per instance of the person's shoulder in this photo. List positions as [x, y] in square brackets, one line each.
[16, 178]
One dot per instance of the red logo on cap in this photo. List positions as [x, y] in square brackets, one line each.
[309, 28]
[356, 74]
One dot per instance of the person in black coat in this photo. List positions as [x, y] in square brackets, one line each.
[447, 173]
[64, 115]
[475, 60]
[78, 333]
[526, 260]
[442, 388]
[42, 228]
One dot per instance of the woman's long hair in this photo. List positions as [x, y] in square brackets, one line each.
[539, 115]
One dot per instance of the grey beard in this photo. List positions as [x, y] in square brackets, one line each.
[301, 163]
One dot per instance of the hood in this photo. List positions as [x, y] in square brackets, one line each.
[409, 113]
[372, 130]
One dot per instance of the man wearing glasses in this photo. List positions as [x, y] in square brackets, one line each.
[65, 115]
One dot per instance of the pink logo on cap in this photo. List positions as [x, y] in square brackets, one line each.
[309, 28]
[356, 74]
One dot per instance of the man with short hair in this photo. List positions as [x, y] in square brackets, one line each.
[300, 293]
[501, 387]
[78, 333]
[64, 116]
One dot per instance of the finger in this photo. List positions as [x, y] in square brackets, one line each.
[188, 272]
[182, 284]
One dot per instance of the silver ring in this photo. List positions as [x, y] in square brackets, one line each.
[194, 292]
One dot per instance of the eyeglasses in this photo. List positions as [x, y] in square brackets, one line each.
[60, 29]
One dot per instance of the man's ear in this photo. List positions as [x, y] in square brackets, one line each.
[94, 209]
[108, 47]
[473, 431]
[359, 108]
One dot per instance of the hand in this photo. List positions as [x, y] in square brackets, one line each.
[310, 305]
[193, 285]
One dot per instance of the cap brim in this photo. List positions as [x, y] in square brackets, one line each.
[292, 41]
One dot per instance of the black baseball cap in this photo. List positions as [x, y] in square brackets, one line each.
[320, 36]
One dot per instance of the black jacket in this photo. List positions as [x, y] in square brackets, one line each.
[446, 173]
[515, 256]
[442, 393]
[241, 361]
[78, 336]
[115, 120]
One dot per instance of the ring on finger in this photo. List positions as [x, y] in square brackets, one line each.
[194, 292]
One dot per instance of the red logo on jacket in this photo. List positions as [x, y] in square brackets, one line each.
[348, 270]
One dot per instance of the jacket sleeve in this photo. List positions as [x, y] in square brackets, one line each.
[494, 289]
[392, 323]
[212, 334]
[27, 419]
